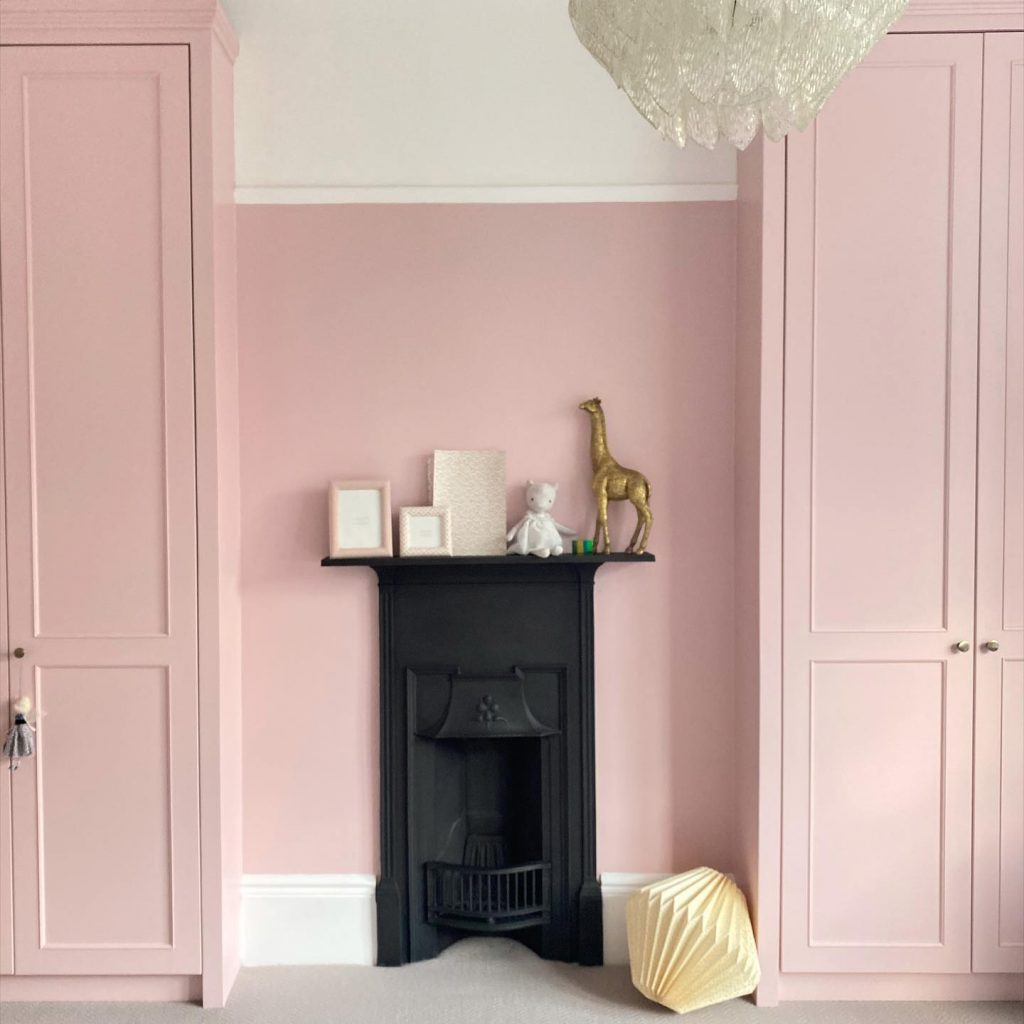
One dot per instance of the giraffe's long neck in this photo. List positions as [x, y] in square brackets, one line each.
[598, 440]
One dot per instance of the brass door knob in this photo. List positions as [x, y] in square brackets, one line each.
[992, 645]
[19, 652]
[963, 647]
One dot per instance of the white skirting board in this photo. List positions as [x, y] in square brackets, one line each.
[331, 919]
[308, 919]
[615, 892]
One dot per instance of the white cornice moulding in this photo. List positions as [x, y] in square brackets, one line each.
[961, 16]
[332, 919]
[315, 195]
[976, 7]
[44, 16]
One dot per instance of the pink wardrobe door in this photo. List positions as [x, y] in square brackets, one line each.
[6, 717]
[879, 486]
[999, 703]
[101, 499]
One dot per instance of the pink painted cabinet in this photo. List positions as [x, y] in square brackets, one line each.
[113, 844]
[100, 482]
[999, 694]
[901, 495]
[6, 849]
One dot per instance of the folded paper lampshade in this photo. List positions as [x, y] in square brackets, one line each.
[690, 941]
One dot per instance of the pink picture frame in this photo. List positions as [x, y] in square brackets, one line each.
[425, 531]
[360, 519]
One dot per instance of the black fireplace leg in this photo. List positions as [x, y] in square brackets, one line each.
[591, 933]
[391, 950]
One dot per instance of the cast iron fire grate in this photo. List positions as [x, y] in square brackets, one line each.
[488, 899]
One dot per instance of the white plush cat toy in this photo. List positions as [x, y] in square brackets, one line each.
[538, 532]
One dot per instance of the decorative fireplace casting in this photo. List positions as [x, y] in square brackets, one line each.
[487, 754]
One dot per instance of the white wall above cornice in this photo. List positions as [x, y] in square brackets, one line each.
[407, 97]
[341, 101]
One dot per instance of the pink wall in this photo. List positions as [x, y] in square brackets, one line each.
[373, 334]
[224, 945]
[749, 241]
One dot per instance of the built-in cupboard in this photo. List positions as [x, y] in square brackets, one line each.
[880, 522]
[903, 567]
[119, 842]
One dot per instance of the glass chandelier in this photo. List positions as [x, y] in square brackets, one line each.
[706, 69]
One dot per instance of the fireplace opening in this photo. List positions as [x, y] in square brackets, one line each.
[486, 864]
[488, 843]
[488, 873]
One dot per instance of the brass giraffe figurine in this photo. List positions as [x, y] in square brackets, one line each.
[613, 482]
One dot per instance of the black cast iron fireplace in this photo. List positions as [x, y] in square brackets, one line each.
[487, 754]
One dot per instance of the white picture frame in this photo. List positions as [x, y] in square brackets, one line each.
[424, 531]
[360, 519]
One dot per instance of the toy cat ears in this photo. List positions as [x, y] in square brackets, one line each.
[533, 483]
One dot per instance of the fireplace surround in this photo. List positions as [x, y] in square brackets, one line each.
[487, 753]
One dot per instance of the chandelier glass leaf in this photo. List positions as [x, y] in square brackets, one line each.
[708, 69]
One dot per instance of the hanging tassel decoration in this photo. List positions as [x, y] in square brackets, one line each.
[21, 741]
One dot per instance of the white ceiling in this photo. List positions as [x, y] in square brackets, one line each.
[456, 95]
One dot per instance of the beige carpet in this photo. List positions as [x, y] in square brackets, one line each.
[481, 981]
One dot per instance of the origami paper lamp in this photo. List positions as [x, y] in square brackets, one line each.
[690, 941]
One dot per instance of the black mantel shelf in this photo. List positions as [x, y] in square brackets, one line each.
[510, 560]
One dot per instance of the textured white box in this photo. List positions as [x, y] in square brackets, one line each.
[472, 485]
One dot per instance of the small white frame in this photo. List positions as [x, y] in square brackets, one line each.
[413, 522]
[360, 519]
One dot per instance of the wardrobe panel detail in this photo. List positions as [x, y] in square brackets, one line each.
[878, 514]
[999, 703]
[100, 446]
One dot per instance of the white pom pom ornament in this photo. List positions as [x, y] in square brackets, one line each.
[21, 741]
